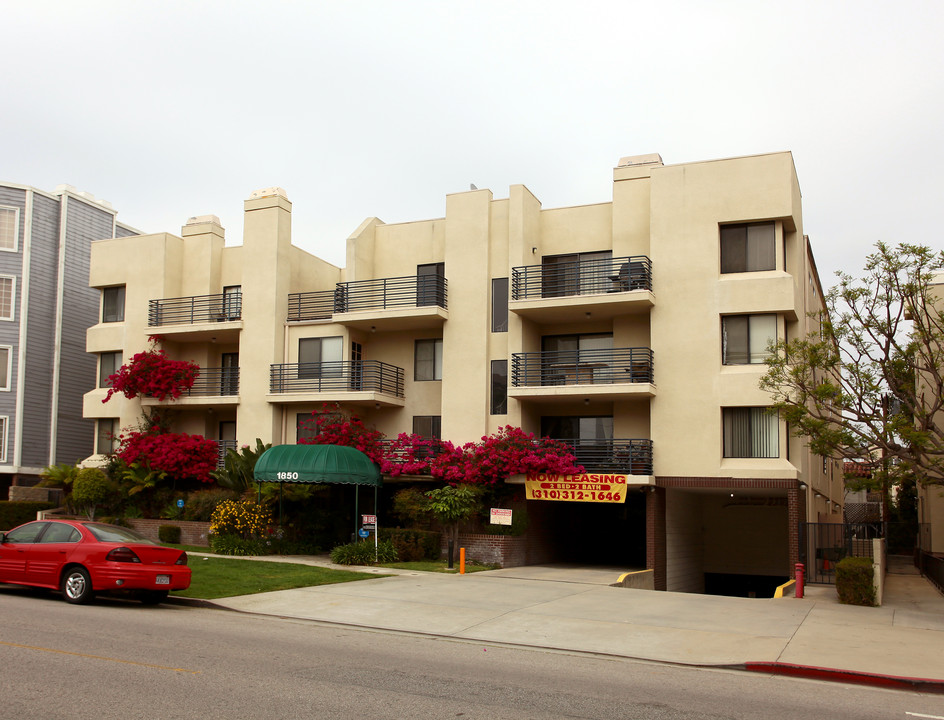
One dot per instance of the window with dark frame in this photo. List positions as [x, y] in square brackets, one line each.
[108, 364]
[745, 338]
[499, 394]
[306, 426]
[500, 304]
[427, 360]
[113, 304]
[428, 426]
[105, 431]
[750, 432]
[319, 357]
[748, 247]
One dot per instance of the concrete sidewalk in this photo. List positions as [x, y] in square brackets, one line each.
[570, 608]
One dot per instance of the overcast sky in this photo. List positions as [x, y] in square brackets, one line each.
[178, 108]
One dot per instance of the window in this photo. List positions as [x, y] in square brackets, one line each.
[499, 304]
[427, 360]
[576, 358]
[750, 433]
[499, 404]
[9, 227]
[113, 304]
[747, 248]
[576, 274]
[306, 427]
[108, 364]
[60, 533]
[6, 363]
[428, 426]
[430, 284]
[4, 423]
[105, 431]
[232, 302]
[744, 338]
[7, 286]
[319, 357]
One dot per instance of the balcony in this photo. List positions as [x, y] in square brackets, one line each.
[198, 317]
[214, 386]
[364, 382]
[390, 304]
[626, 457]
[609, 374]
[566, 292]
[222, 447]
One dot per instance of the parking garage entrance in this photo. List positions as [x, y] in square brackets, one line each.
[587, 532]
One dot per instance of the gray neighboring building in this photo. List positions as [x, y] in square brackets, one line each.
[46, 306]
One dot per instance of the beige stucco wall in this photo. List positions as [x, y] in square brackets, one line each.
[670, 213]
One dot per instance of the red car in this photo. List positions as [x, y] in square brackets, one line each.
[83, 558]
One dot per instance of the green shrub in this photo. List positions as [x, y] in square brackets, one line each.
[58, 476]
[237, 545]
[362, 553]
[200, 504]
[13, 514]
[411, 544]
[169, 534]
[89, 489]
[854, 581]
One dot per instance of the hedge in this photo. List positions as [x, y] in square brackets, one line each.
[412, 545]
[854, 581]
[17, 513]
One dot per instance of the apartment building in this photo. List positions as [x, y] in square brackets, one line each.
[46, 306]
[633, 329]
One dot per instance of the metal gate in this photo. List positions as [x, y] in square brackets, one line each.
[822, 545]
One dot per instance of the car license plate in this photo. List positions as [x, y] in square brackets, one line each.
[162, 580]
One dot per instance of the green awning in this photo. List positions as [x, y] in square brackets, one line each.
[316, 464]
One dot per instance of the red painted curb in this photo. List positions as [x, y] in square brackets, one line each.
[927, 685]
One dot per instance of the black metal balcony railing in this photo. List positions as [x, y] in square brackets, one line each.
[380, 294]
[337, 376]
[311, 305]
[215, 381]
[222, 447]
[195, 309]
[582, 367]
[631, 457]
[586, 277]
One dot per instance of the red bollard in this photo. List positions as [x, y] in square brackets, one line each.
[800, 575]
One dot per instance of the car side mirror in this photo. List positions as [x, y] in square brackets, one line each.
[3, 538]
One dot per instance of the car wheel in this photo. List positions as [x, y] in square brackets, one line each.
[153, 597]
[77, 586]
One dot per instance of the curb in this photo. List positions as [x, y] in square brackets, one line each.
[894, 682]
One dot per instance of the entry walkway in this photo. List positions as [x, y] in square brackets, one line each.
[568, 608]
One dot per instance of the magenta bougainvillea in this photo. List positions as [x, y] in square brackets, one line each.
[179, 455]
[152, 374]
[335, 429]
[510, 451]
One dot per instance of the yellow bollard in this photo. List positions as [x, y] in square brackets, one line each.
[462, 561]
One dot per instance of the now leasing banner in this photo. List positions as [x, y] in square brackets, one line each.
[576, 488]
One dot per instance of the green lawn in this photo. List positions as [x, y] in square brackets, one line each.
[225, 577]
[216, 577]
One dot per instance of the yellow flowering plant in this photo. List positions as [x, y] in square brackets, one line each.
[243, 518]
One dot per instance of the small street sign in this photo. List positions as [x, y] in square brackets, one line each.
[363, 533]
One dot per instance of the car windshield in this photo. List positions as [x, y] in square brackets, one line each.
[114, 533]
